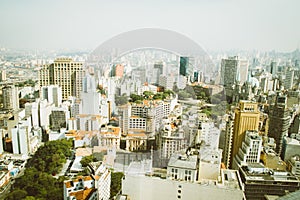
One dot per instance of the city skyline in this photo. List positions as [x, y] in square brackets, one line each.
[215, 25]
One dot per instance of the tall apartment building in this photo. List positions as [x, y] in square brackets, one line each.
[2, 75]
[246, 118]
[279, 122]
[289, 78]
[250, 150]
[90, 97]
[65, 73]
[228, 140]
[10, 97]
[52, 93]
[232, 70]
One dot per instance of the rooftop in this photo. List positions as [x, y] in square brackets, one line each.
[181, 160]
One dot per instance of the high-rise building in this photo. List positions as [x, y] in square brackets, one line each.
[117, 70]
[10, 97]
[65, 73]
[279, 121]
[228, 140]
[90, 97]
[289, 79]
[250, 150]
[166, 81]
[233, 70]
[2, 75]
[184, 65]
[53, 94]
[246, 118]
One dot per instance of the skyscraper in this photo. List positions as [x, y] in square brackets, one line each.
[184, 65]
[10, 97]
[233, 70]
[279, 121]
[65, 73]
[246, 118]
[53, 94]
[250, 150]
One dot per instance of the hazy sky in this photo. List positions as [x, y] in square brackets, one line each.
[214, 24]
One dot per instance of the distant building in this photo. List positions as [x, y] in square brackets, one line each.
[52, 93]
[10, 97]
[117, 70]
[233, 70]
[2, 75]
[289, 78]
[90, 97]
[167, 82]
[65, 73]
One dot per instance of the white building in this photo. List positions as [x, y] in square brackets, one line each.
[289, 78]
[166, 81]
[149, 188]
[209, 164]
[90, 97]
[52, 93]
[95, 186]
[294, 165]
[250, 150]
[10, 97]
[183, 167]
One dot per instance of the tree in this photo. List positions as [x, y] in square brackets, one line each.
[135, 98]
[17, 194]
[116, 183]
[148, 94]
[86, 160]
[121, 100]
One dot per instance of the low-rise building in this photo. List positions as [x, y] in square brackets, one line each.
[259, 181]
[92, 187]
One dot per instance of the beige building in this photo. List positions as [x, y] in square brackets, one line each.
[246, 118]
[65, 73]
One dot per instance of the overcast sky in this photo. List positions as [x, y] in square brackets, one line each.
[214, 24]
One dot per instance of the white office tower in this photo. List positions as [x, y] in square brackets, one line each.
[250, 150]
[75, 106]
[266, 82]
[52, 93]
[21, 137]
[124, 113]
[181, 82]
[10, 97]
[35, 114]
[166, 81]
[45, 111]
[289, 78]
[208, 133]
[90, 97]
[39, 112]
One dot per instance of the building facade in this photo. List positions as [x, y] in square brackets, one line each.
[65, 73]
